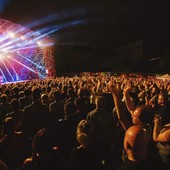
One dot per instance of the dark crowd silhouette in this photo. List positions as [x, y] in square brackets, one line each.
[85, 122]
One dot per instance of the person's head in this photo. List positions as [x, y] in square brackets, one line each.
[36, 93]
[4, 98]
[154, 90]
[15, 104]
[27, 92]
[69, 108]
[80, 92]
[48, 89]
[7, 91]
[21, 94]
[70, 92]
[64, 89]
[44, 98]
[143, 115]
[162, 99]
[135, 142]
[79, 104]
[100, 102]
[15, 89]
[41, 142]
[86, 133]
[8, 126]
[57, 94]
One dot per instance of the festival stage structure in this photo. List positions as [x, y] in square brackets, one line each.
[24, 54]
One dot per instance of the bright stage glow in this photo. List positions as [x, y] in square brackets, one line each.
[2, 56]
[4, 50]
[22, 55]
[22, 64]
[11, 34]
[22, 38]
[40, 43]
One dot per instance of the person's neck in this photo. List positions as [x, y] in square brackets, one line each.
[37, 101]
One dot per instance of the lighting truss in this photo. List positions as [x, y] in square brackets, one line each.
[21, 58]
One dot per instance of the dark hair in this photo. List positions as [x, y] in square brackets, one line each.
[36, 93]
[41, 141]
[27, 92]
[4, 98]
[15, 104]
[70, 91]
[165, 96]
[16, 89]
[8, 126]
[147, 114]
[86, 133]
[69, 108]
[57, 94]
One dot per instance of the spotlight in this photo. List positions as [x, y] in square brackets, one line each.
[4, 50]
[11, 34]
[22, 37]
[2, 56]
[39, 43]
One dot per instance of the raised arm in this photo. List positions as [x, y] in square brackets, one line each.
[128, 99]
[123, 119]
[161, 134]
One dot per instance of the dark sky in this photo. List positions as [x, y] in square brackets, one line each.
[95, 22]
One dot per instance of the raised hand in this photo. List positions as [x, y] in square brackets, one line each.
[113, 88]
[157, 120]
[127, 87]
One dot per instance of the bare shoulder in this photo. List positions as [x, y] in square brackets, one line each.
[164, 136]
[28, 164]
[167, 135]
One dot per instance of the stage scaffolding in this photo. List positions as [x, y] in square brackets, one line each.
[24, 59]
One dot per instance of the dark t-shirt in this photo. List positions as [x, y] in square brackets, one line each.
[143, 165]
[49, 161]
[85, 158]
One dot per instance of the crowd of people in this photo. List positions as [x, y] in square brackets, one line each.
[86, 122]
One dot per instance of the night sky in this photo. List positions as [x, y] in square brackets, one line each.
[102, 22]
